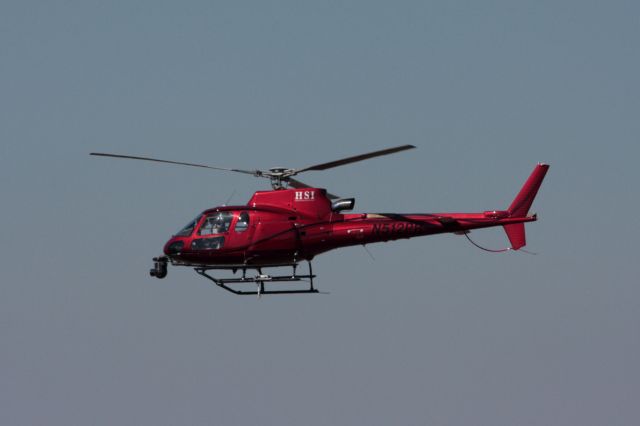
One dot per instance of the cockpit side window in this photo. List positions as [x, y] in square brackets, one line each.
[188, 230]
[216, 223]
[213, 243]
[243, 222]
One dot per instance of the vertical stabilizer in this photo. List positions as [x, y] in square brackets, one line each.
[521, 205]
[516, 235]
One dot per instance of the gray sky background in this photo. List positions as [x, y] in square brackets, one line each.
[434, 331]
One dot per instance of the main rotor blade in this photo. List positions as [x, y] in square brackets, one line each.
[356, 158]
[297, 184]
[254, 173]
[300, 185]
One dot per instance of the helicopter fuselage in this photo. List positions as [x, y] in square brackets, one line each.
[291, 225]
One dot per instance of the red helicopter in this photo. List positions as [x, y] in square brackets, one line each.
[295, 222]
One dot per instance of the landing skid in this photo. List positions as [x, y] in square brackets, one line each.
[260, 279]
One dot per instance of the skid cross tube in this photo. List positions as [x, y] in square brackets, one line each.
[260, 280]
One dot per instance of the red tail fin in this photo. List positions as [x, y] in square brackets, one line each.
[524, 199]
[521, 205]
[516, 235]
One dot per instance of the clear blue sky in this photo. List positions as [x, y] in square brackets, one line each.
[433, 331]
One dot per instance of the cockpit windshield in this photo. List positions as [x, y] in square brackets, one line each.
[216, 223]
[188, 230]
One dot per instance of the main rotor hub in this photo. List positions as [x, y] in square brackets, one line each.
[279, 176]
[280, 171]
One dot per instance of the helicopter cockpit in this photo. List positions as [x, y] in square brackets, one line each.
[216, 224]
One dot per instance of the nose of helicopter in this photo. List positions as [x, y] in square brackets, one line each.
[174, 246]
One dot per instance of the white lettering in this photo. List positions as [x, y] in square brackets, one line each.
[305, 196]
